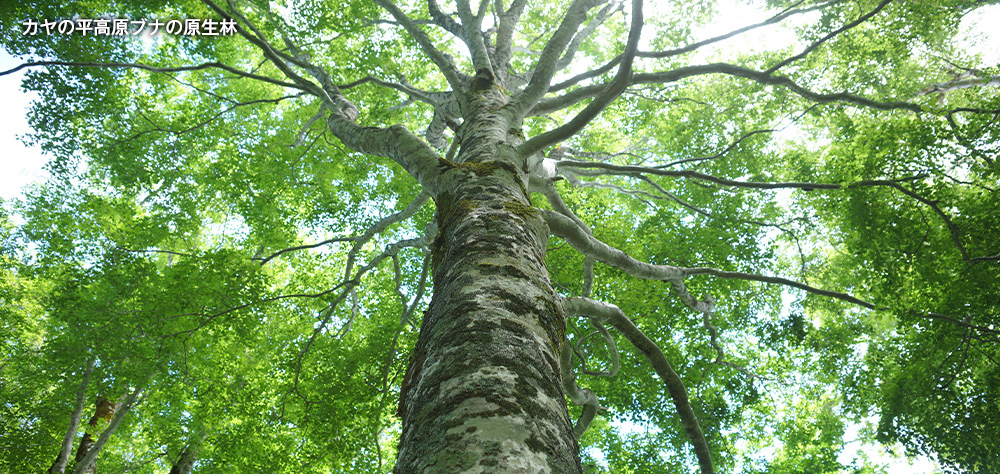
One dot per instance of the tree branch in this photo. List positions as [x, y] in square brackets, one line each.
[614, 317]
[91, 457]
[663, 77]
[473, 36]
[263, 261]
[822, 40]
[444, 21]
[145, 67]
[629, 170]
[609, 94]
[505, 39]
[688, 48]
[546, 65]
[578, 396]
[578, 39]
[445, 65]
[59, 466]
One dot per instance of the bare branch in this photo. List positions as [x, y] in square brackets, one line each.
[663, 77]
[205, 122]
[432, 98]
[822, 40]
[609, 94]
[612, 347]
[276, 57]
[957, 322]
[264, 261]
[574, 45]
[145, 67]
[380, 226]
[91, 457]
[629, 170]
[779, 281]
[565, 228]
[578, 396]
[961, 83]
[720, 354]
[444, 21]
[546, 65]
[445, 65]
[569, 230]
[473, 36]
[614, 317]
[505, 38]
[721, 153]
[394, 142]
[688, 48]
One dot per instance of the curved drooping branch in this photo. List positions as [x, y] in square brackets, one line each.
[596, 106]
[631, 170]
[614, 317]
[347, 287]
[578, 396]
[575, 96]
[146, 67]
[612, 348]
[568, 230]
[557, 203]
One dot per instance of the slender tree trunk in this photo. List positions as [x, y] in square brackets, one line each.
[185, 463]
[483, 391]
[86, 459]
[104, 410]
[59, 466]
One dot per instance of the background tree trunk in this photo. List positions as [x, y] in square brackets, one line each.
[59, 466]
[105, 409]
[185, 463]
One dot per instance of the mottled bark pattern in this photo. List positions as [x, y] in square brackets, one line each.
[483, 392]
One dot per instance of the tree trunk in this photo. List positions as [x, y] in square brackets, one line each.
[185, 463]
[104, 410]
[483, 392]
[86, 459]
[59, 466]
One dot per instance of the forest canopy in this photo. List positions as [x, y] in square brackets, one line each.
[502, 236]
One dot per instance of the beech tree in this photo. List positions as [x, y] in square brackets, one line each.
[570, 236]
